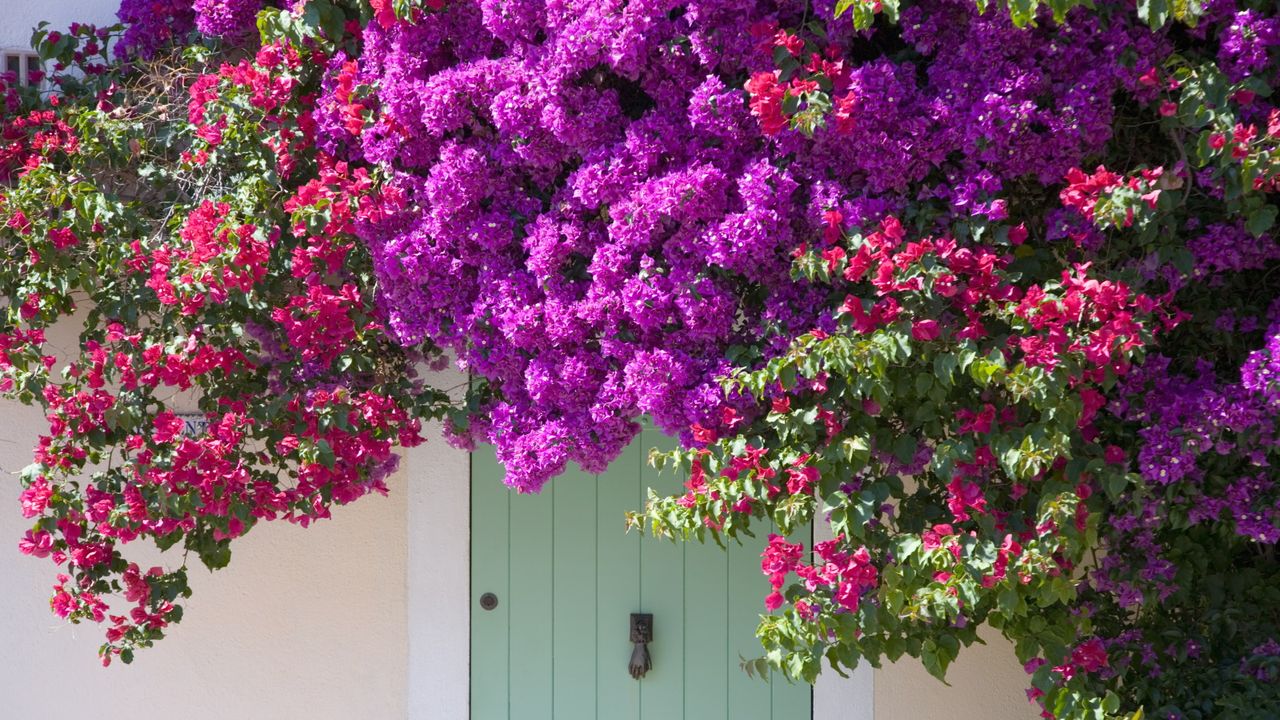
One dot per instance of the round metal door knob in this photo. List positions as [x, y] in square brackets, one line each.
[488, 601]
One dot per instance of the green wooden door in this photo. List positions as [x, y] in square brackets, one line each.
[567, 578]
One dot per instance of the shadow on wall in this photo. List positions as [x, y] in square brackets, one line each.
[303, 624]
[987, 683]
[21, 16]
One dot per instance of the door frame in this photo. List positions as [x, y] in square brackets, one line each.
[438, 590]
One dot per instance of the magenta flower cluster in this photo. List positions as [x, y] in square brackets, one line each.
[155, 24]
[226, 18]
[593, 218]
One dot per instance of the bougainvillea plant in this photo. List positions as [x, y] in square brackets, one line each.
[176, 212]
[985, 290]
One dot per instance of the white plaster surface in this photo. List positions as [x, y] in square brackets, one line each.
[439, 570]
[304, 624]
[839, 698]
[19, 17]
[985, 683]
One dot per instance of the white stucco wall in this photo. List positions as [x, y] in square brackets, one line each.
[841, 698]
[19, 17]
[985, 683]
[438, 576]
[305, 623]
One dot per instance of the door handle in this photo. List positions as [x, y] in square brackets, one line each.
[641, 636]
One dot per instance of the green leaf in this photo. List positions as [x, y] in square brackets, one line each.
[923, 383]
[164, 542]
[1022, 12]
[944, 368]
[1154, 12]
[216, 555]
[1261, 220]
[905, 546]
[904, 448]
[1115, 484]
[325, 453]
[857, 451]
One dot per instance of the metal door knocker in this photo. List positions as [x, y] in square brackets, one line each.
[641, 635]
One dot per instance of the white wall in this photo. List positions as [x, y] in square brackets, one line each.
[19, 17]
[986, 682]
[839, 698]
[305, 623]
[439, 573]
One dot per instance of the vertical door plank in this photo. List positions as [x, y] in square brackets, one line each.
[662, 593]
[706, 635]
[749, 697]
[616, 695]
[490, 651]
[793, 700]
[574, 613]
[532, 598]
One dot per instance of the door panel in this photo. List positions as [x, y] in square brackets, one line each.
[490, 547]
[568, 576]
[617, 584]
[573, 611]
[748, 697]
[706, 632]
[531, 599]
[661, 580]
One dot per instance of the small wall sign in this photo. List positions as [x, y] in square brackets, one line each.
[193, 424]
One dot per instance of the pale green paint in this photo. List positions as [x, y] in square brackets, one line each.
[568, 577]
[490, 570]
